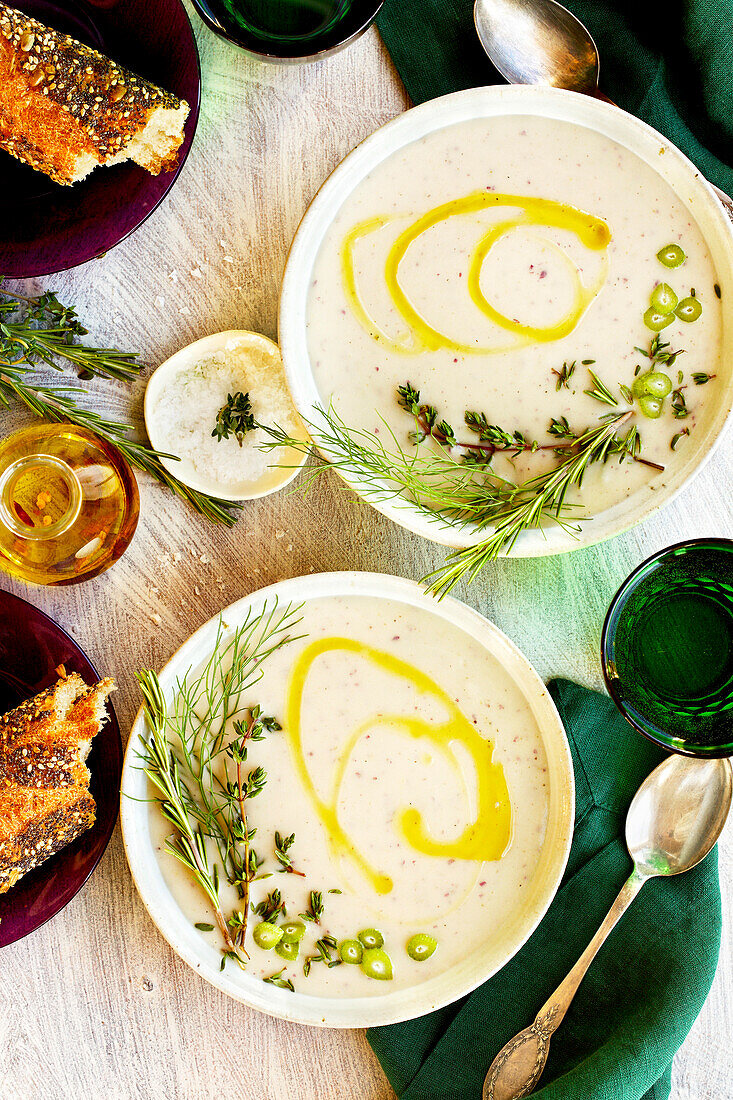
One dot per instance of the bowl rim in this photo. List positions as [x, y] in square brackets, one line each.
[486, 102]
[615, 609]
[167, 370]
[412, 1001]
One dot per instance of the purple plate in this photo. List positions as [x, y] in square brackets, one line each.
[31, 647]
[54, 227]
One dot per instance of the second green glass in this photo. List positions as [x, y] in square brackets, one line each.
[667, 648]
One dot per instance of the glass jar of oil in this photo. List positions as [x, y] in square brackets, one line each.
[69, 504]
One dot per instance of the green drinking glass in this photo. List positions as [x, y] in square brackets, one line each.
[289, 30]
[667, 648]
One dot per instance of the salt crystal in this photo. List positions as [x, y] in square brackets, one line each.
[197, 273]
[185, 311]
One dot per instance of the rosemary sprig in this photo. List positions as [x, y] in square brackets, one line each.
[188, 844]
[42, 330]
[23, 346]
[541, 497]
[600, 391]
[198, 772]
[54, 404]
[235, 418]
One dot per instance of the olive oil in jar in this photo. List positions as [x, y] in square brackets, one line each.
[69, 504]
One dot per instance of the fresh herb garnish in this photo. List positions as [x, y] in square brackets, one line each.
[204, 927]
[564, 375]
[676, 438]
[279, 981]
[314, 912]
[600, 391]
[700, 378]
[271, 907]
[283, 844]
[679, 405]
[235, 418]
[41, 330]
[198, 775]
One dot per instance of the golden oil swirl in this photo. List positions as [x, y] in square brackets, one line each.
[591, 231]
[484, 838]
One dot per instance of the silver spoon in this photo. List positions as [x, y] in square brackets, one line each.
[541, 42]
[537, 42]
[673, 821]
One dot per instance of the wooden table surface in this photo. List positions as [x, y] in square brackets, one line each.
[95, 1004]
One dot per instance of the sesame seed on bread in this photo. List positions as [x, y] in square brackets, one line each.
[44, 783]
[65, 108]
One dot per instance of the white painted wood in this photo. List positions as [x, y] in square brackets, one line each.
[95, 1004]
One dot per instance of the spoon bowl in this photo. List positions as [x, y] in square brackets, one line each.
[538, 42]
[677, 814]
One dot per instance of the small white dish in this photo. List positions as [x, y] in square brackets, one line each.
[278, 468]
[405, 1003]
[476, 103]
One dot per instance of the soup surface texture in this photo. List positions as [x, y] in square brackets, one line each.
[411, 770]
[480, 260]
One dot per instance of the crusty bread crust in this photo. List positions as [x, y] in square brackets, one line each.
[64, 107]
[44, 784]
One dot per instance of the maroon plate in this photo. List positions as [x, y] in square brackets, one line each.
[53, 227]
[31, 647]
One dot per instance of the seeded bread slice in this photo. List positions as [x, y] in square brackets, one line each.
[44, 784]
[65, 108]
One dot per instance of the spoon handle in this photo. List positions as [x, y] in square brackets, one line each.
[518, 1066]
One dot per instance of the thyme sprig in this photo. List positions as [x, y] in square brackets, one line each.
[279, 981]
[197, 770]
[235, 418]
[283, 844]
[314, 912]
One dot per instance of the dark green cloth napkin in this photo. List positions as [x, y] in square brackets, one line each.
[669, 63]
[642, 993]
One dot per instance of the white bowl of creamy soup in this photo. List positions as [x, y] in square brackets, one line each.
[414, 811]
[528, 261]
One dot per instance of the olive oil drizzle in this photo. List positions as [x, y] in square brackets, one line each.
[485, 838]
[591, 231]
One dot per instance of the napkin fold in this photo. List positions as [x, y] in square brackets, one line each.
[670, 63]
[645, 988]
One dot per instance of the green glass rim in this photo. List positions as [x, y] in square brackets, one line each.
[296, 48]
[608, 663]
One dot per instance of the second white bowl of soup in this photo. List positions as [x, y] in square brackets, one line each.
[423, 774]
[526, 259]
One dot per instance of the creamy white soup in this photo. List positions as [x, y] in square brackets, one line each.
[411, 770]
[479, 261]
